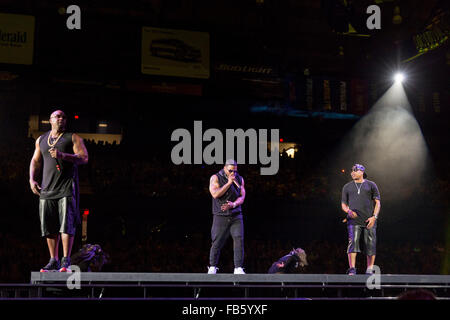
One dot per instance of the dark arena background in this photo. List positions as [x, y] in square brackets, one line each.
[129, 73]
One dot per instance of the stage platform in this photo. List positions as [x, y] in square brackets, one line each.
[198, 286]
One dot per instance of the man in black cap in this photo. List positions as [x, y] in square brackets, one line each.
[361, 203]
[228, 194]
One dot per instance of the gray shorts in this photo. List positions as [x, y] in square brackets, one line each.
[58, 216]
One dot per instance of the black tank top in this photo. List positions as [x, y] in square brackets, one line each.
[231, 194]
[58, 183]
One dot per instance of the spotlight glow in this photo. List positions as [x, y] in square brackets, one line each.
[399, 77]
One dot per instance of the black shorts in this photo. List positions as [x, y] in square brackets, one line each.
[58, 216]
[369, 236]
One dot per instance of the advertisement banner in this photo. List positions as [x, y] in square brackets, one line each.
[309, 94]
[247, 70]
[436, 102]
[177, 53]
[359, 94]
[343, 96]
[326, 95]
[421, 101]
[16, 38]
[163, 87]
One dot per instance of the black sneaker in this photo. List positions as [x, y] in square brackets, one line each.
[65, 265]
[52, 265]
[351, 271]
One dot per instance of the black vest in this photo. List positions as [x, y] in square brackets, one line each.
[231, 194]
[58, 183]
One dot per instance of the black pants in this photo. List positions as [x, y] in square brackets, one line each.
[222, 228]
[370, 239]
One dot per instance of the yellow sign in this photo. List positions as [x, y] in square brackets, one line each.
[16, 38]
[178, 53]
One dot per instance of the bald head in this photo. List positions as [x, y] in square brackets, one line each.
[58, 120]
[57, 112]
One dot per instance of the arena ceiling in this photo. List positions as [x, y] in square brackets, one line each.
[329, 36]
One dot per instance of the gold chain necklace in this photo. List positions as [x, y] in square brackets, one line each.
[51, 145]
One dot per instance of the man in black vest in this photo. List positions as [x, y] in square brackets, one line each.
[57, 155]
[228, 194]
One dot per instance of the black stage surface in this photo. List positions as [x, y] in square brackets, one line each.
[199, 286]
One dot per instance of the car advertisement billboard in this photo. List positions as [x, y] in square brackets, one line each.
[178, 53]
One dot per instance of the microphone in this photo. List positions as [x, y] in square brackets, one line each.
[237, 184]
[58, 166]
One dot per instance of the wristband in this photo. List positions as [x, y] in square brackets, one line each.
[348, 214]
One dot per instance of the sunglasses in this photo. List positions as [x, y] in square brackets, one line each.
[355, 169]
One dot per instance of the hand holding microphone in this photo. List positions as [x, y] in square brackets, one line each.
[54, 153]
[232, 178]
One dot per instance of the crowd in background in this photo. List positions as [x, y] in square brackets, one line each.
[114, 170]
[20, 255]
[299, 178]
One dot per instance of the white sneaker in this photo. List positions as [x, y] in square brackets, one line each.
[239, 271]
[212, 270]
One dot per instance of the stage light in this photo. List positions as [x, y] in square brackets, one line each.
[76, 116]
[290, 152]
[399, 77]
